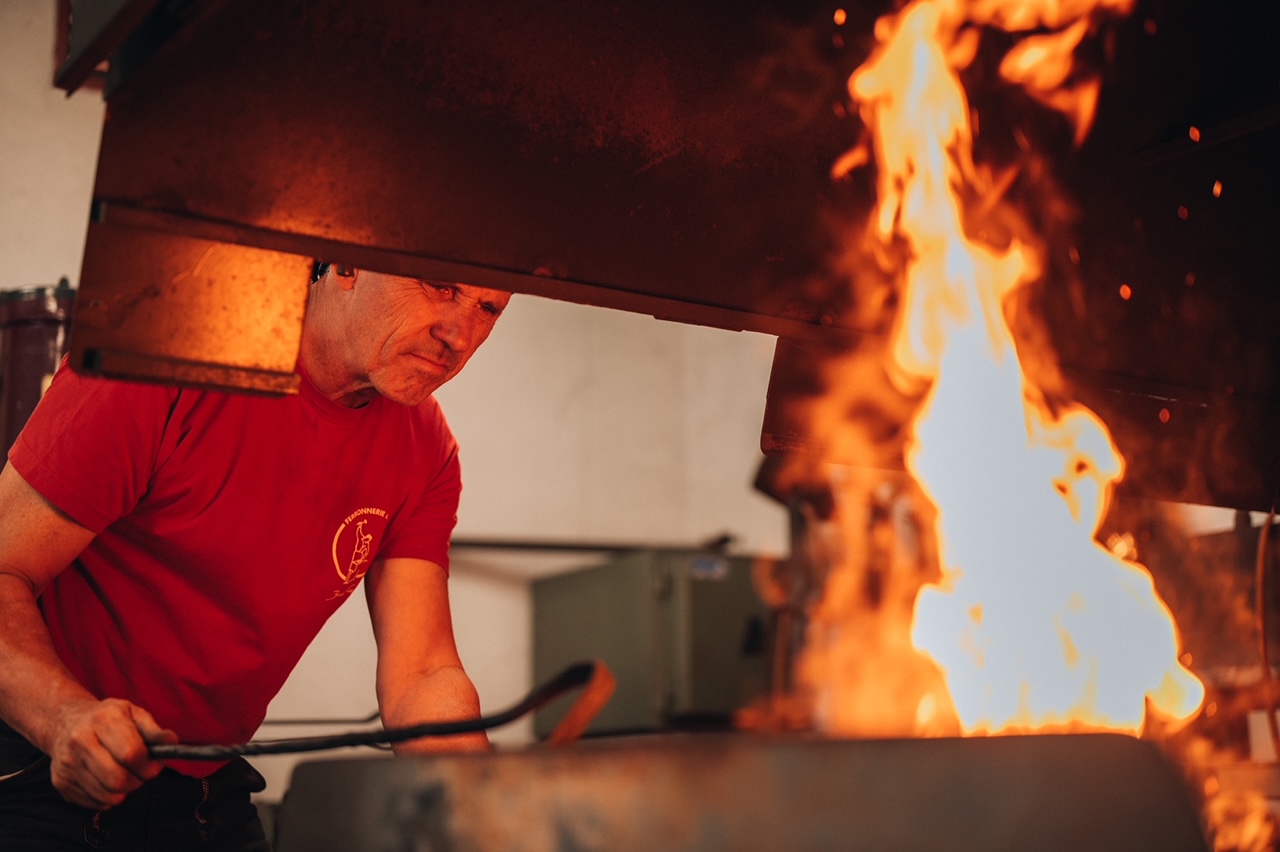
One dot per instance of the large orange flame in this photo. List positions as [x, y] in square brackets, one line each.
[1033, 625]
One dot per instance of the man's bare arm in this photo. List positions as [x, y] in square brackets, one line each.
[420, 677]
[98, 748]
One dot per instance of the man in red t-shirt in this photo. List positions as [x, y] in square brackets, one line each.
[167, 554]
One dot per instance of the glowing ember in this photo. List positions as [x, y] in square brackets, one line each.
[1033, 626]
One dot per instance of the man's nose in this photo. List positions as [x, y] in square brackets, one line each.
[455, 328]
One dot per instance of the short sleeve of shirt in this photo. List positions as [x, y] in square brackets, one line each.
[428, 521]
[91, 445]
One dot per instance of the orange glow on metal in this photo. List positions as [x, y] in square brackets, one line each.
[1034, 626]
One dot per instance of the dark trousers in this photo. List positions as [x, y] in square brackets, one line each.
[170, 813]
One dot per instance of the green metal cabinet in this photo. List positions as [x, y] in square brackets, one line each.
[683, 632]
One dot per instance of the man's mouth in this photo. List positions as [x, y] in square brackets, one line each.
[435, 363]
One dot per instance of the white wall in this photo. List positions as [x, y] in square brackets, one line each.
[583, 423]
[48, 153]
[576, 423]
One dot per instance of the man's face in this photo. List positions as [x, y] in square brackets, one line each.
[408, 337]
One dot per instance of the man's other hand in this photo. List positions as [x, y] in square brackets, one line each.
[99, 754]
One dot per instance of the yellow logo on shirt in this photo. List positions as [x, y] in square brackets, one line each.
[353, 544]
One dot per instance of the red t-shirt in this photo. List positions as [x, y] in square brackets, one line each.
[229, 528]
